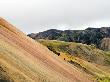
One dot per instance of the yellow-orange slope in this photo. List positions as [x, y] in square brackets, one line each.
[24, 60]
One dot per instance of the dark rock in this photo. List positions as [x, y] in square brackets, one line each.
[88, 36]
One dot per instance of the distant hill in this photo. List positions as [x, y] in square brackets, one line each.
[88, 36]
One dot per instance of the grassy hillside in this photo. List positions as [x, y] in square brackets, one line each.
[88, 58]
[24, 60]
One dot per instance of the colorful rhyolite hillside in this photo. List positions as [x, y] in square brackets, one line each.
[24, 60]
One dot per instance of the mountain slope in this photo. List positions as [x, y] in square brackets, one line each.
[87, 36]
[24, 60]
[87, 58]
[86, 52]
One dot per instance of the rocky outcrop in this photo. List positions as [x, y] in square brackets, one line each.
[105, 44]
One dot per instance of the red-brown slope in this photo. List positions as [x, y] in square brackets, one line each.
[63, 71]
[105, 44]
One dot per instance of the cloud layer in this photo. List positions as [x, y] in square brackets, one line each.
[40, 15]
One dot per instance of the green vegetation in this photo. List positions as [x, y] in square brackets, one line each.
[87, 58]
[87, 52]
[104, 79]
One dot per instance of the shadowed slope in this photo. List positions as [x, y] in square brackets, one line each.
[24, 60]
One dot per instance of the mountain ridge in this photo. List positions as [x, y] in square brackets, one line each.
[88, 36]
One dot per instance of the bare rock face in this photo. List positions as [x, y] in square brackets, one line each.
[105, 44]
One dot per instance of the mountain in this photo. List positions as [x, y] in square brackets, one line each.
[88, 36]
[24, 60]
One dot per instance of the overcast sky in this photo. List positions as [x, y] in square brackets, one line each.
[39, 15]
